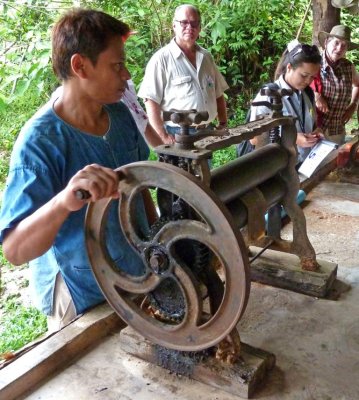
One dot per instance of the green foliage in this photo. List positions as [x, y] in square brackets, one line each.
[351, 21]
[245, 37]
[240, 104]
[12, 119]
[153, 156]
[3, 263]
[223, 156]
[19, 325]
[25, 48]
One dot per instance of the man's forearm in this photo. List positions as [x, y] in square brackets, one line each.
[34, 235]
[355, 95]
[152, 137]
[221, 111]
[154, 116]
[149, 207]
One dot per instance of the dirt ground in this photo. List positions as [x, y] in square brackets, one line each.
[332, 213]
[14, 281]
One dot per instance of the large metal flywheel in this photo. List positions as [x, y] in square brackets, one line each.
[195, 283]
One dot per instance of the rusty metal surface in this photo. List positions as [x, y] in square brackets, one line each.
[194, 154]
[272, 190]
[256, 207]
[301, 244]
[241, 133]
[196, 331]
[245, 173]
[353, 162]
[201, 144]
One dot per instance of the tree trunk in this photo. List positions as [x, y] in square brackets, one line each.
[325, 16]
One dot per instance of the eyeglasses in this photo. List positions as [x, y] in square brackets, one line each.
[306, 49]
[184, 23]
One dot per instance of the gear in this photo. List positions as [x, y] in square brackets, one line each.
[166, 301]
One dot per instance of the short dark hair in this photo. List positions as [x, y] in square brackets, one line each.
[302, 53]
[82, 31]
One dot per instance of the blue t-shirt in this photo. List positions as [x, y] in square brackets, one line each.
[46, 155]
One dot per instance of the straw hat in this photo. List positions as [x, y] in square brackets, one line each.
[342, 3]
[354, 9]
[339, 31]
[350, 5]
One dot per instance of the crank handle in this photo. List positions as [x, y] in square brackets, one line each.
[82, 194]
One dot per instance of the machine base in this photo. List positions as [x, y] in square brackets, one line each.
[283, 270]
[240, 379]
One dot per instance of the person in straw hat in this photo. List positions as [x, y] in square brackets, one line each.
[351, 6]
[336, 87]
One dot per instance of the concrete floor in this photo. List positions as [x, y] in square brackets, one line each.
[316, 341]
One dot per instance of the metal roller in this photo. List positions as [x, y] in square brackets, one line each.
[273, 191]
[245, 173]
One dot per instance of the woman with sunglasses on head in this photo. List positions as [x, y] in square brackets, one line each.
[298, 66]
[336, 87]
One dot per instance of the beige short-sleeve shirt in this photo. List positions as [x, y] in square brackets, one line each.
[174, 83]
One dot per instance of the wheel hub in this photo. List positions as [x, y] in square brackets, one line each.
[157, 260]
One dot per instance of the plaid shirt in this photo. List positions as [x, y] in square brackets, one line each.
[337, 90]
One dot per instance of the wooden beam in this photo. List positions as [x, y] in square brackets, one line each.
[241, 379]
[283, 270]
[23, 374]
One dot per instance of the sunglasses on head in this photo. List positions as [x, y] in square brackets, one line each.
[184, 23]
[306, 49]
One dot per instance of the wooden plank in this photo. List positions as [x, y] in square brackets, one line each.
[26, 372]
[241, 379]
[283, 270]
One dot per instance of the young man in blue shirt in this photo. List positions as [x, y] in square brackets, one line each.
[73, 142]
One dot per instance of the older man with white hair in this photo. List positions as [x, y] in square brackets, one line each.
[183, 76]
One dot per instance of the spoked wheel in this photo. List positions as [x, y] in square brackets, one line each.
[198, 305]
